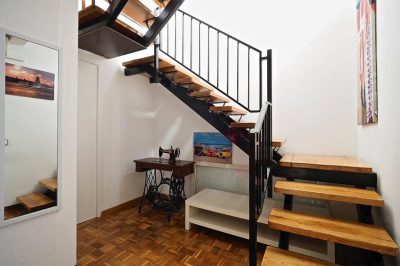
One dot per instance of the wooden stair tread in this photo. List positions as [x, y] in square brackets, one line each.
[333, 193]
[279, 257]
[214, 97]
[331, 163]
[35, 201]
[93, 12]
[90, 13]
[198, 87]
[145, 61]
[167, 69]
[228, 109]
[161, 3]
[50, 183]
[369, 237]
[277, 143]
[138, 12]
[242, 125]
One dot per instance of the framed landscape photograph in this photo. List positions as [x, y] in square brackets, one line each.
[367, 68]
[27, 82]
[212, 147]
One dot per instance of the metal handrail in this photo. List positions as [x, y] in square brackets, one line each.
[253, 59]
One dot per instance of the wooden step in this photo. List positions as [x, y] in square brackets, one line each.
[50, 183]
[333, 193]
[242, 125]
[210, 95]
[168, 69]
[93, 12]
[145, 61]
[138, 12]
[161, 3]
[35, 201]
[182, 78]
[198, 87]
[279, 257]
[228, 110]
[331, 163]
[369, 237]
[277, 143]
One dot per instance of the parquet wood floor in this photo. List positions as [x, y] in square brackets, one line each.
[129, 238]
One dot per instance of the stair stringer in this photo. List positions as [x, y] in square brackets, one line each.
[220, 122]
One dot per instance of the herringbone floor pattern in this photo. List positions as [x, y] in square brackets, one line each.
[129, 238]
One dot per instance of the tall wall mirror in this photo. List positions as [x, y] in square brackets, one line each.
[29, 125]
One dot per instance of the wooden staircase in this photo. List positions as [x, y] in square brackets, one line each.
[36, 201]
[215, 102]
[363, 235]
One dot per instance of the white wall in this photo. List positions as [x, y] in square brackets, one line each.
[135, 118]
[49, 239]
[127, 126]
[31, 129]
[379, 144]
[314, 71]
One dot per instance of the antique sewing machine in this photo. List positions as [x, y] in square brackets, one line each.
[173, 154]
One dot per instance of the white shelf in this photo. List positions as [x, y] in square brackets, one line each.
[228, 213]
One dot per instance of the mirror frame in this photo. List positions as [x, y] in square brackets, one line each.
[3, 34]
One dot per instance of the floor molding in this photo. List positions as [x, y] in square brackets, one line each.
[126, 205]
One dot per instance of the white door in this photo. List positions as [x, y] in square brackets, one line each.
[87, 141]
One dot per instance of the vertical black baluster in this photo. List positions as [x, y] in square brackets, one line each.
[191, 42]
[199, 51]
[183, 38]
[261, 82]
[227, 66]
[248, 78]
[208, 51]
[168, 38]
[237, 72]
[218, 59]
[175, 36]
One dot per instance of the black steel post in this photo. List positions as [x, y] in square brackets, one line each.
[252, 203]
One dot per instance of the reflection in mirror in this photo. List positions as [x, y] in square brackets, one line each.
[30, 152]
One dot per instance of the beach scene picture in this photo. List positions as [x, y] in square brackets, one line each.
[212, 147]
[27, 82]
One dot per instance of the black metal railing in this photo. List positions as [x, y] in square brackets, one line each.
[260, 164]
[226, 63]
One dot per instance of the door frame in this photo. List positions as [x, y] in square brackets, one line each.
[99, 147]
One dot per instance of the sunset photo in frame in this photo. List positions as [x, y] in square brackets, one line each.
[27, 82]
[367, 70]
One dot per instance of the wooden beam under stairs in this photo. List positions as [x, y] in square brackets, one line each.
[331, 163]
[35, 201]
[332, 193]
[364, 236]
[279, 257]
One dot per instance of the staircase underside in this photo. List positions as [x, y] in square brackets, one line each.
[101, 33]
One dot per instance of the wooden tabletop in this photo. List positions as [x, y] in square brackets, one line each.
[180, 169]
[331, 163]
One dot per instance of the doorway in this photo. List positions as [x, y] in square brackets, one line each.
[87, 142]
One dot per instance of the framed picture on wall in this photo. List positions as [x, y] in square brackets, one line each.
[367, 67]
[212, 147]
[28, 82]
